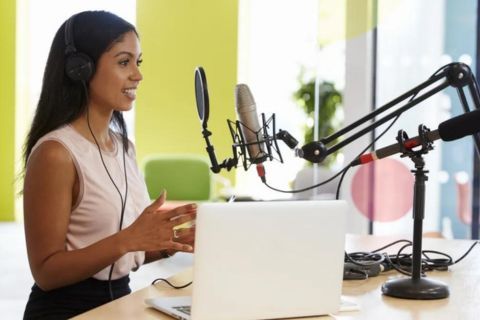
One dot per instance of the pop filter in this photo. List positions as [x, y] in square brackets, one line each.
[201, 95]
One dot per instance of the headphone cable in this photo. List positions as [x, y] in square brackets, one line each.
[123, 199]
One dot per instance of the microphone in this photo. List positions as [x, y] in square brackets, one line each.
[460, 126]
[449, 130]
[254, 140]
[249, 125]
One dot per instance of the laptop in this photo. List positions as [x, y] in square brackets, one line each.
[264, 260]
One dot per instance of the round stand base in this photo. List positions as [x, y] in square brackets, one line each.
[420, 289]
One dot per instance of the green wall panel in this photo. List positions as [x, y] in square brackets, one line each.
[176, 36]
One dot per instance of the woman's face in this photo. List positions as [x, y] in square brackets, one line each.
[117, 75]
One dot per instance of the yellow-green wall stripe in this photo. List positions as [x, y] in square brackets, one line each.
[7, 109]
[176, 36]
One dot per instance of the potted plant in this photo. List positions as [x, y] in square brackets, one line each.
[330, 111]
[329, 121]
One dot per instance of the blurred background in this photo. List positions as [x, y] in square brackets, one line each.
[348, 57]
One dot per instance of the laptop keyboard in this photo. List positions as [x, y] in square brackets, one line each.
[184, 309]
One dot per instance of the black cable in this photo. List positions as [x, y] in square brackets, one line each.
[466, 253]
[337, 194]
[402, 262]
[123, 199]
[443, 68]
[396, 267]
[371, 258]
[307, 188]
[437, 263]
[474, 82]
[391, 244]
[170, 284]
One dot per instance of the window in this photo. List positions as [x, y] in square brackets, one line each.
[277, 39]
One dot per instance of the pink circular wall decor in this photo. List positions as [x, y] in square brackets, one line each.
[383, 190]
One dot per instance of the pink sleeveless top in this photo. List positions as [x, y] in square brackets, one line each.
[96, 214]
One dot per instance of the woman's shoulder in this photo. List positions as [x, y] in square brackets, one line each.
[55, 145]
[51, 169]
[66, 136]
[51, 153]
[61, 133]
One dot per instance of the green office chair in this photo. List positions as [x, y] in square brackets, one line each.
[184, 176]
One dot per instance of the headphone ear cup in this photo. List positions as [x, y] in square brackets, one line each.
[79, 67]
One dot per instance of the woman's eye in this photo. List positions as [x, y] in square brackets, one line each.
[123, 62]
[139, 62]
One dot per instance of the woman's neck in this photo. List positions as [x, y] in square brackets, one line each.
[95, 126]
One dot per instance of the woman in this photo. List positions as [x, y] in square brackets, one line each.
[88, 219]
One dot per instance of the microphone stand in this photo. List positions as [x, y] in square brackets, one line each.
[416, 287]
[227, 163]
[457, 75]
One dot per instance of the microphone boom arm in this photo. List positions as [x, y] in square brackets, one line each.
[457, 75]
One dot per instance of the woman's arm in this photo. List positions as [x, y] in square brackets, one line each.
[51, 186]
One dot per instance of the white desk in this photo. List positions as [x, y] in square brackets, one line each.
[463, 281]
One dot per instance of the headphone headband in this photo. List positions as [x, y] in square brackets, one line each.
[69, 45]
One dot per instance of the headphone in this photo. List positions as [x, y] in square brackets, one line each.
[78, 65]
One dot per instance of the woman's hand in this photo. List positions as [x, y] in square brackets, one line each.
[154, 228]
[185, 235]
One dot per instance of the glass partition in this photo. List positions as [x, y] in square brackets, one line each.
[415, 41]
